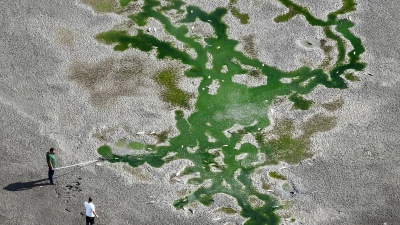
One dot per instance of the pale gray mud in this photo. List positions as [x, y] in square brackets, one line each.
[353, 177]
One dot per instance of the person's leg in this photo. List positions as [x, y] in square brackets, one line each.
[87, 220]
[51, 174]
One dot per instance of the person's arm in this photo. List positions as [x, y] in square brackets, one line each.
[51, 165]
[94, 212]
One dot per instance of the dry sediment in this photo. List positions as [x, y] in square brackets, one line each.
[352, 179]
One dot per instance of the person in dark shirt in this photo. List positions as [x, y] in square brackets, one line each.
[51, 162]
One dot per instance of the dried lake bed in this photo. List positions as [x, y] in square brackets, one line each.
[226, 112]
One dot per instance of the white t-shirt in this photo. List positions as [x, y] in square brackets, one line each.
[89, 209]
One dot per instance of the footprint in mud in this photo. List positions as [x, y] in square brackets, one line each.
[70, 191]
[75, 186]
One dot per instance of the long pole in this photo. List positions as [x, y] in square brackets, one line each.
[76, 164]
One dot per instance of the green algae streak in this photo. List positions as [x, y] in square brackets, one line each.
[215, 115]
[243, 17]
[276, 175]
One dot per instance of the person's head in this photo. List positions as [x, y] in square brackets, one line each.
[90, 199]
[52, 150]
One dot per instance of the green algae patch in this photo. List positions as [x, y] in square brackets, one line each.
[287, 149]
[136, 145]
[121, 143]
[205, 199]
[170, 159]
[351, 77]
[162, 136]
[188, 170]
[292, 149]
[243, 17]
[171, 92]
[124, 3]
[215, 159]
[276, 175]
[226, 210]
[180, 203]
[105, 152]
[347, 6]
[286, 17]
[300, 102]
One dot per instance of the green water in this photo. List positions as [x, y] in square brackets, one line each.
[233, 104]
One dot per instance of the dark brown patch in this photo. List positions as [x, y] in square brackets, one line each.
[137, 172]
[249, 46]
[327, 52]
[109, 79]
[66, 37]
[102, 135]
[335, 105]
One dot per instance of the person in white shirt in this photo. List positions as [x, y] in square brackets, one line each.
[90, 212]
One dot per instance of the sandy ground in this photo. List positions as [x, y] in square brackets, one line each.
[352, 179]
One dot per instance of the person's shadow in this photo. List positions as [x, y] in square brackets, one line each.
[22, 186]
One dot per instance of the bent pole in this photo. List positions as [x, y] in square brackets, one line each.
[77, 164]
